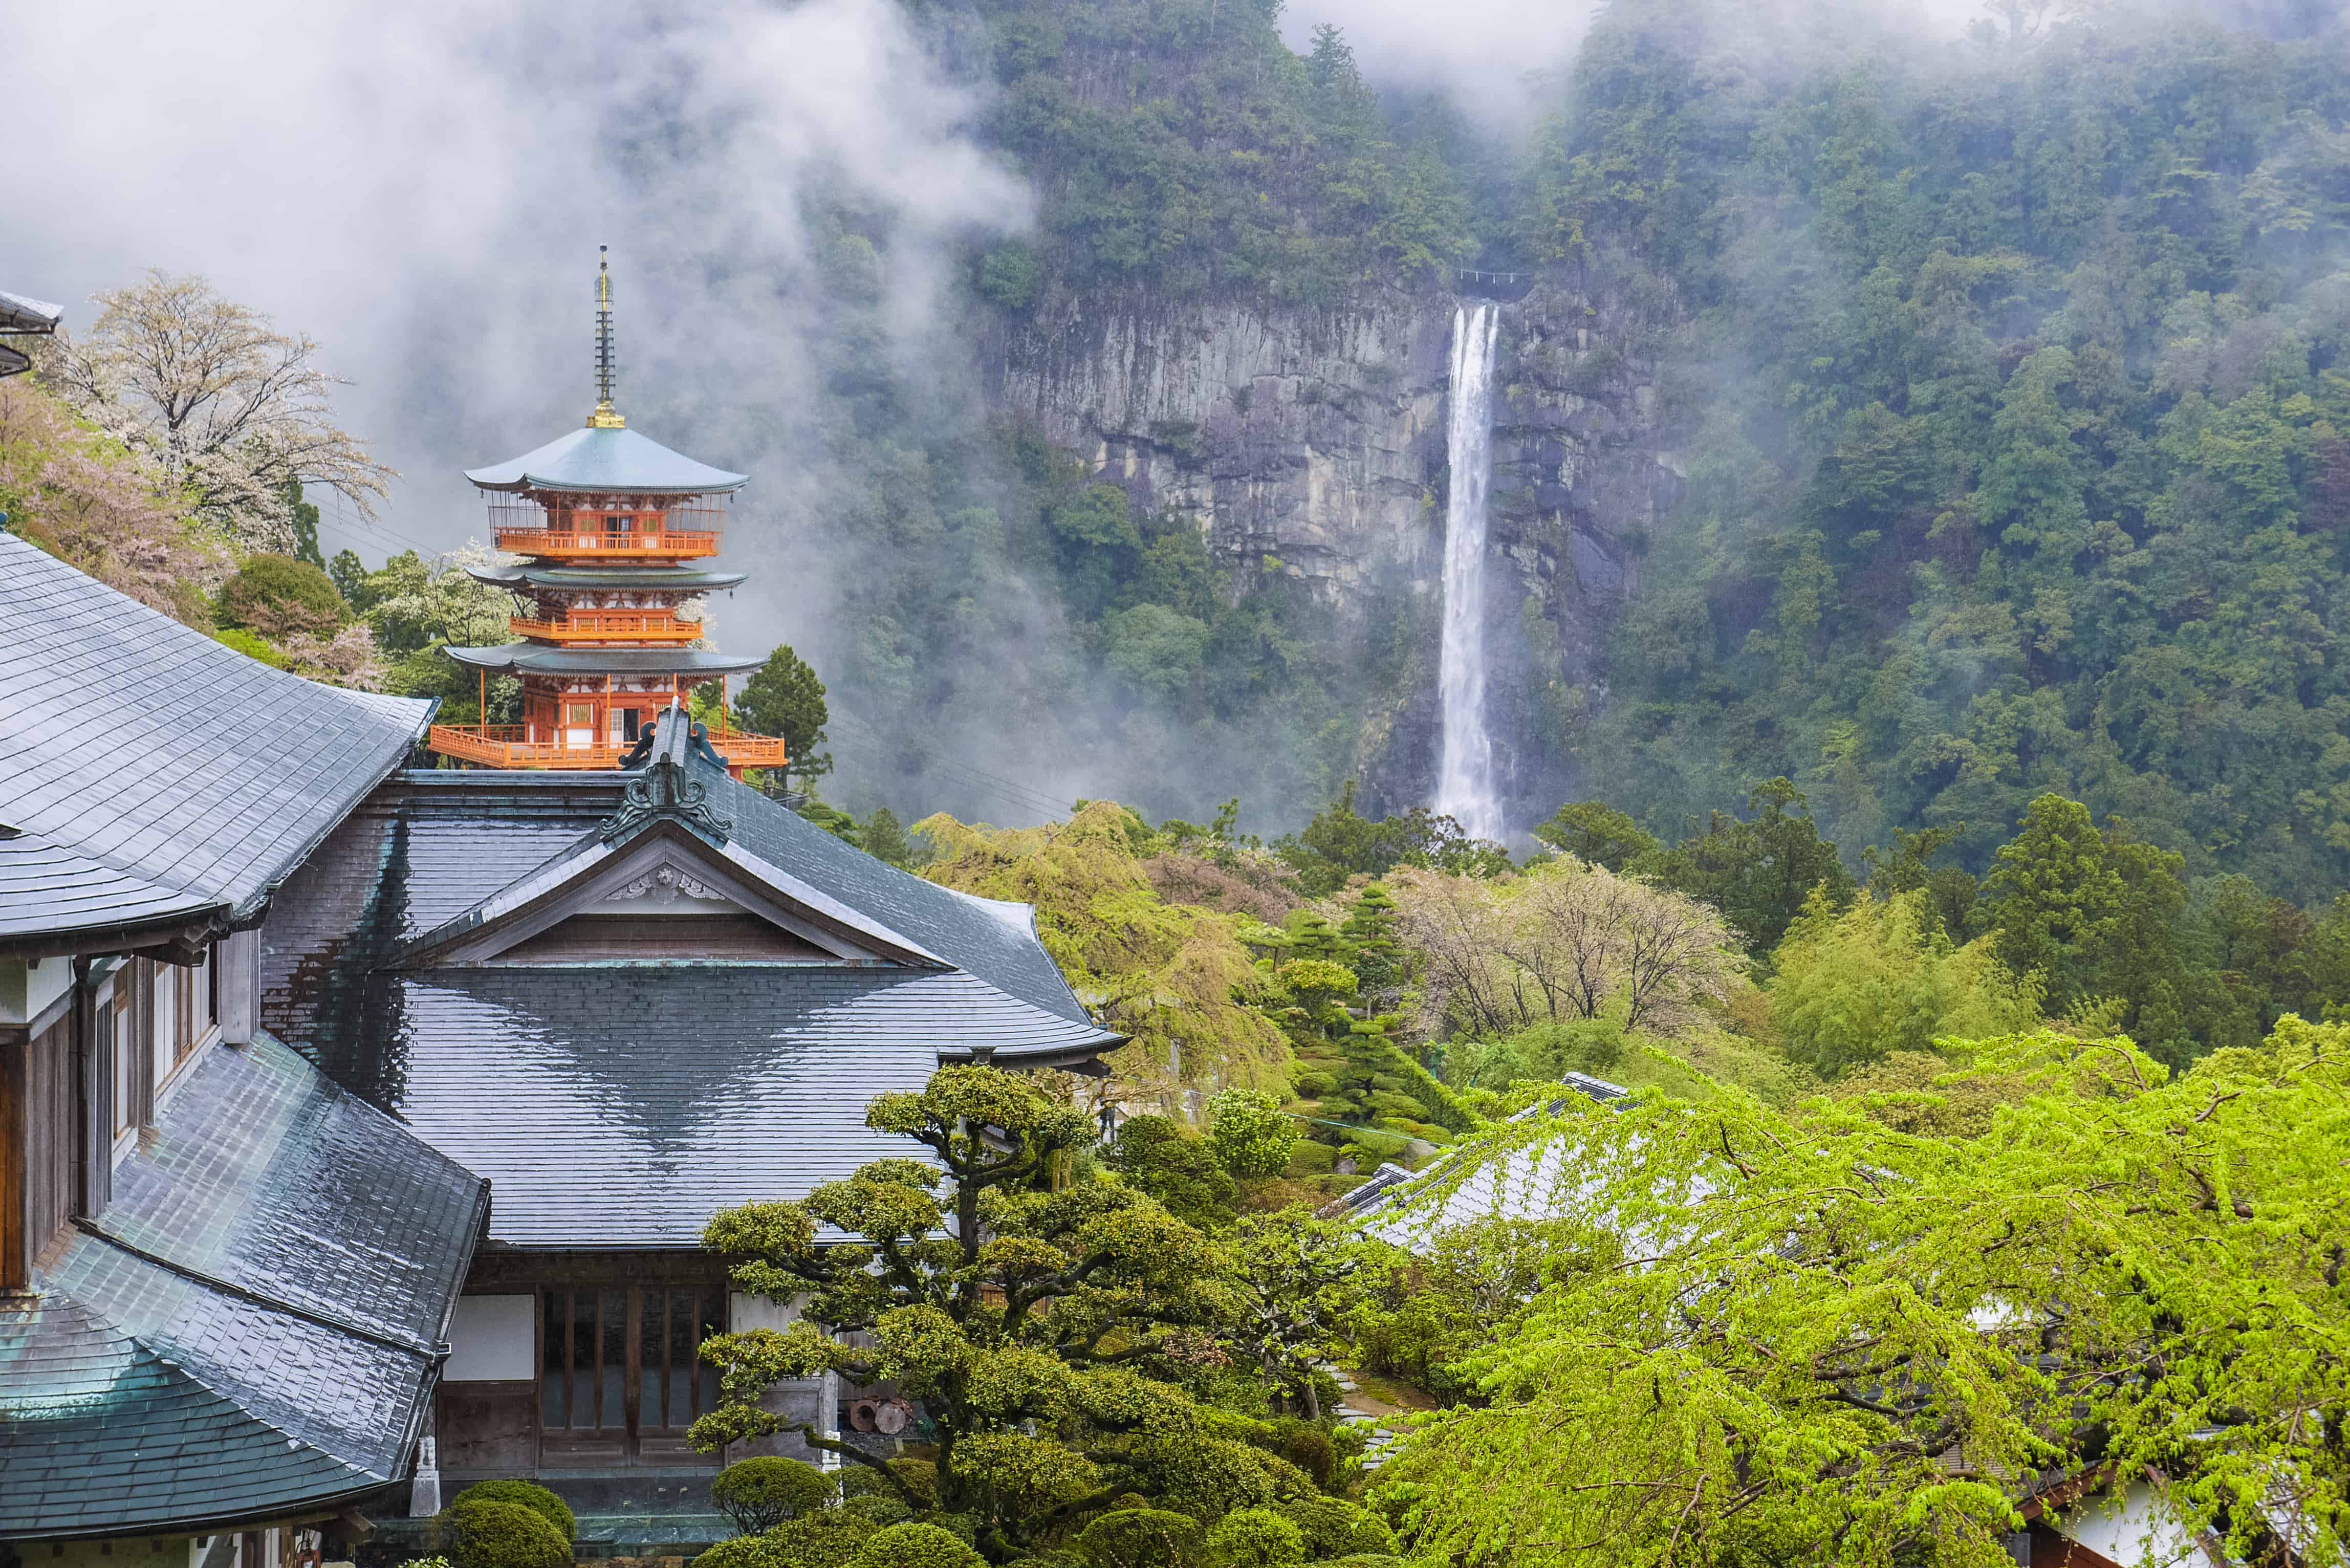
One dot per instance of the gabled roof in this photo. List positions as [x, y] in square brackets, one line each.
[254, 1323]
[606, 462]
[153, 774]
[665, 842]
[619, 1101]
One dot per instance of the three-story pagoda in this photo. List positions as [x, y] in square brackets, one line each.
[617, 533]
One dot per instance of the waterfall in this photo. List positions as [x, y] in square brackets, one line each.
[1464, 785]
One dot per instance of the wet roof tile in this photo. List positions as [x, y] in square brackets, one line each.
[180, 773]
[251, 1322]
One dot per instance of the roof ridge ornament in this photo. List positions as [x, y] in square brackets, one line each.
[606, 417]
[666, 789]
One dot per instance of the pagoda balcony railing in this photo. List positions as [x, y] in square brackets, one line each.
[510, 746]
[609, 625]
[670, 544]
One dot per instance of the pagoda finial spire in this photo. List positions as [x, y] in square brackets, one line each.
[606, 417]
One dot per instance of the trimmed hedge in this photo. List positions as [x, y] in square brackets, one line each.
[758, 1494]
[531, 1495]
[917, 1547]
[491, 1534]
[1140, 1538]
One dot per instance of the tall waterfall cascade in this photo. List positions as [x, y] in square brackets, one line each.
[1464, 784]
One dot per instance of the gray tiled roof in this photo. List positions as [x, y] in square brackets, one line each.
[152, 771]
[604, 461]
[253, 1325]
[618, 1104]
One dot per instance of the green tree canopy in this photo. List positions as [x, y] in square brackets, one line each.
[1852, 1340]
[785, 698]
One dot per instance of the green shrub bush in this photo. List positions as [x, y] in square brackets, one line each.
[747, 1552]
[490, 1535]
[1140, 1538]
[252, 647]
[758, 1494]
[1307, 1446]
[530, 1494]
[274, 594]
[828, 1539]
[1333, 1527]
[1255, 1538]
[917, 1547]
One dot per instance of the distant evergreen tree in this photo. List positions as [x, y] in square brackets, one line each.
[785, 698]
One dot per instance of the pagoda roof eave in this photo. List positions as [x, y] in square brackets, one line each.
[606, 462]
[534, 658]
[683, 578]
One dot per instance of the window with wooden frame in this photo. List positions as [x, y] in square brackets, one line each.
[621, 1365]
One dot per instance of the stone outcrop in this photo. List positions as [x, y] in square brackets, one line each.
[1311, 443]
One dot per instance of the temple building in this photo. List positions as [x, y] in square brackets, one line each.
[225, 1283]
[615, 531]
[360, 1118]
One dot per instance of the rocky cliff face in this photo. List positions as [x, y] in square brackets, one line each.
[1311, 443]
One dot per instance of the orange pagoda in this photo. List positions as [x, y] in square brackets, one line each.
[617, 533]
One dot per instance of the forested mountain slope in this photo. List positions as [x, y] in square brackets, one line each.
[2008, 383]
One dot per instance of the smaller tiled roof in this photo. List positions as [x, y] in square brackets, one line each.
[535, 659]
[604, 461]
[20, 314]
[153, 772]
[684, 579]
[252, 1325]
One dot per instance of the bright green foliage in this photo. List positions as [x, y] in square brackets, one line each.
[785, 698]
[1255, 1538]
[760, 1493]
[530, 1495]
[1850, 988]
[916, 1546]
[1139, 1537]
[276, 596]
[1249, 1132]
[1174, 1166]
[1334, 1528]
[485, 1534]
[1421, 1316]
[1295, 1277]
[415, 607]
[1031, 1325]
[1834, 1297]
[882, 837]
[1175, 977]
[253, 647]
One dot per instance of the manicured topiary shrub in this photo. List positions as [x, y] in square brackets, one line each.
[758, 1494]
[489, 1534]
[1333, 1527]
[826, 1539]
[1140, 1538]
[745, 1552]
[917, 1547]
[1255, 1538]
[1307, 1446]
[274, 594]
[531, 1495]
